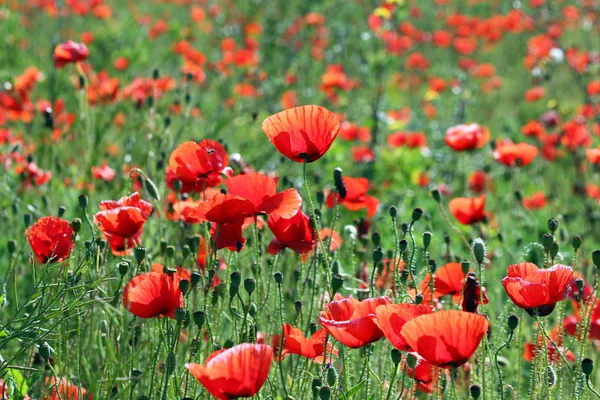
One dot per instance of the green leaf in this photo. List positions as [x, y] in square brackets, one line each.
[20, 383]
[353, 390]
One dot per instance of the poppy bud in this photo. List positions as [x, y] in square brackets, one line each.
[163, 247]
[396, 356]
[170, 251]
[393, 211]
[199, 318]
[376, 239]
[340, 187]
[518, 195]
[554, 249]
[139, 253]
[436, 195]
[123, 268]
[513, 322]
[587, 366]
[432, 265]
[403, 244]
[278, 277]
[315, 385]
[320, 198]
[404, 276]
[11, 246]
[552, 224]
[377, 256]
[417, 214]
[337, 281]
[427, 239]
[61, 211]
[171, 363]
[335, 267]
[465, 266]
[325, 393]
[27, 220]
[596, 258]
[211, 275]
[83, 201]
[155, 74]
[179, 314]
[236, 279]
[76, 225]
[135, 374]
[475, 391]
[195, 278]
[331, 376]
[81, 82]
[177, 185]
[249, 285]
[313, 328]
[185, 250]
[298, 306]
[184, 286]
[580, 284]
[576, 242]
[547, 241]
[479, 250]
[152, 189]
[419, 299]
[252, 310]
[551, 376]
[411, 361]
[45, 351]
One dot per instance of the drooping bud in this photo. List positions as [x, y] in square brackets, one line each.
[587, 366]
[331, 376]
[479, 250]
[513, 322]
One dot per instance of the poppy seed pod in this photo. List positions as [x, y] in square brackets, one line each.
[170, 251]
[576, 242]
[313, 328]
[11, 246]
[376, 239]
[475, 391]
[61, 211]
[195, 278]
[76, 225]
[403, 244]
[249, 285]
[513, 322]
[417, 214]
[596, 258]
[393, 211]
[436, 195]
[199, 318]
[83, 201]
[547, 241]
[45, 351]
[320, 198]
[179, 315]
[236, 279]
[340, 187]
[396, 356]
[298, 306]
[184, 286]
[587, 366]
[479, 250]
[140, 254]
[554, 250]
[337, 281]
[123, 268]
[552, 224]
[465, 265]
[324, 393]
[377, 256]
[411, 361]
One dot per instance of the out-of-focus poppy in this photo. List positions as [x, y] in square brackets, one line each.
[153, 294]
[356, 196]
[103, 172]
[534, 94]
[537, 290]
[69, 52]
[50, 239]
[478, 182]
[240, 371]
[535, 201]
[63, 389]
[391, 318]
[261, 191]
[511, 154]
[467, 137]
[197, 165]
[302, 133]
[294, 342]
[122, 221]
[445, 338]
[352, 322]
[468, 210]
[533, 128]
[5, 387]
[553, 356]
[295, 233]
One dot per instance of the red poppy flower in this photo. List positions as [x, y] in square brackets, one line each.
[122, 221]
[535, 201]
[103, 172]
[294, 342]
[537, 290]
[356, 196]
[392, 317]
[510, 154]
[50, 239]
[69, 52]
[240, 371]
[64, 390]
[302, 133]
[472, 294]
[352, 322]
[295, 233]
[593, 155]
[467, 137]
[448, 281]
[152, 294]
[533, 128]
[535, 94]
[424, 374]
[468, 210]
[445, 338]
[553, 356]
[478, 181]
[197, 165]
[261, 191]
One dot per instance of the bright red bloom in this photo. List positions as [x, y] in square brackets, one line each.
[103, 172]
[64, 390]
[240, 371]
[448, 281]
[468, 210]
[467, 137]
[537, 290]
[535, 201]
[294, 342]
[352, 322]
[295, 233]
[261, 191]
[553, 356]
[356, 196]
[391, 318]
[593, 155]
[535, 94]
[122, 221]
[575, 135]
[197, 165]
[533, 128]
[50, 239]
[510, 154]
[478, 182]
[69, 52]
[445, 338]
[302, 133]
[152, 294]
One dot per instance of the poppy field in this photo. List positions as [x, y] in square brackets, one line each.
[300, 199]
